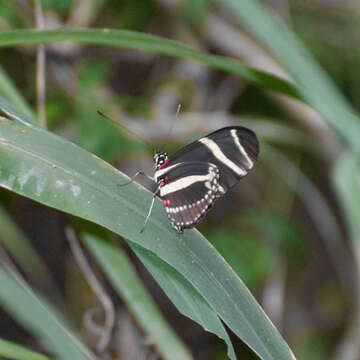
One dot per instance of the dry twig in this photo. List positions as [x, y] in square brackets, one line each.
[97, 288]
[40, 67]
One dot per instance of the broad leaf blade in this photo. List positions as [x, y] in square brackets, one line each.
[55, 172]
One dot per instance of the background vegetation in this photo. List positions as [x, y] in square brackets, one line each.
[75, 290]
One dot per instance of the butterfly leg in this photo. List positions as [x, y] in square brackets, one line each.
[135, 175]
[179, 230]
[150, 209]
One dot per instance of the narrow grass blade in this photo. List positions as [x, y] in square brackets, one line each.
[8, 109]
[346, 178]
[8, 90]
[347, 182]
[124, 278]
[146, 42]
[20, 248]
[314, 85]
[38, 317]
[14, 351]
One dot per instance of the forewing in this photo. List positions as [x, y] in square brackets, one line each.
[189, 190]
[234, 150]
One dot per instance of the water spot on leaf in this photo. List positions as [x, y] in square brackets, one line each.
[9, 182]
[24, 178]
[60, 183]
[40, 185]
[75, 189]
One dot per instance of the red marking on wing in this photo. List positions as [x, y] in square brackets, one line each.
[161, 166]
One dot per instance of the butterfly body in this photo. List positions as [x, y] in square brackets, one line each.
[196, 176]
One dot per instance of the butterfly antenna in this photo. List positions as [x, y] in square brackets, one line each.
[176, 116]
[178, 110]
[142, 139]
[172, 124]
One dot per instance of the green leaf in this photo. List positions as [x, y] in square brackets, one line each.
[14, 351]
[147, 42]
[39, 318]
[241, 255]
[123, 276]
[8, 109]
[20, 248]
[55, 172]
[185, 297]
[8, 89]
[313, 84]
[346, 179]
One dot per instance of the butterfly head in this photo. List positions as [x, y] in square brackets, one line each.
[160, 158]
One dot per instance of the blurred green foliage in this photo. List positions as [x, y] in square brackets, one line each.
[266, 226]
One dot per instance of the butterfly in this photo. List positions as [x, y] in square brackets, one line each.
[189, 182]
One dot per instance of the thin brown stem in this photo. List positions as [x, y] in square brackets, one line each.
[40, 67]
[97, 288]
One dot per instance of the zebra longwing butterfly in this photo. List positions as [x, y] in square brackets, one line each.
[200, 173]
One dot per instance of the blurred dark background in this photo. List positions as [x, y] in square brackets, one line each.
[281, 229]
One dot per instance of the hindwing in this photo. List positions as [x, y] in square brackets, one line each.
[188, 190]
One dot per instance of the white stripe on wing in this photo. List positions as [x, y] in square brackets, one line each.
[183, 183]
[159, 173]
[241, 148]
[216, 151]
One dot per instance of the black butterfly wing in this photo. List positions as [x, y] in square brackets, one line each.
[234, 150]
[188, 191]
